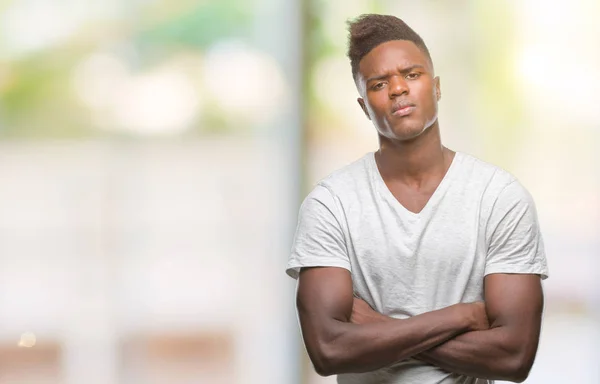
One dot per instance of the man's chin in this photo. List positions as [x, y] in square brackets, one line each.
[408, 133]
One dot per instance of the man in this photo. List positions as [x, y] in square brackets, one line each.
[446, 248]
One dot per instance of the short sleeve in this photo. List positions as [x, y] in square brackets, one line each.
[513, 235]
[319, 239]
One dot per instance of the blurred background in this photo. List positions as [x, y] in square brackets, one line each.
[153, 156]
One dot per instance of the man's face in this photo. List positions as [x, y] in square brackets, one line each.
[398, 89]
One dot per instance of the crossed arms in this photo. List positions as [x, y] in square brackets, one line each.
[496, 340]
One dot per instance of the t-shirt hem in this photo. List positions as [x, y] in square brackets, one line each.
[543, 272]
[293, 269]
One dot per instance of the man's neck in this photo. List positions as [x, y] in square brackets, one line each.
[415, 161]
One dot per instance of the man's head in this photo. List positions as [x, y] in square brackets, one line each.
[394, 75]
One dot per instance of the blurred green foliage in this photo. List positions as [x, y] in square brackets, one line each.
[200, 25]
[36, 95]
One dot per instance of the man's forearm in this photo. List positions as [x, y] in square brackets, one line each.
[489, 354]
[506, 351]
[354, 348]
[492, 353]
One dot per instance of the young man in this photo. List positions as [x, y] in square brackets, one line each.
[445, 248]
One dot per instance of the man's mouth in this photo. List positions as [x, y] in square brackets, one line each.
[403, 109]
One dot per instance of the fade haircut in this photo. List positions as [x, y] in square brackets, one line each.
[368, 31]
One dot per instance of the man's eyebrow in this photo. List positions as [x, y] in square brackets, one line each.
[380, 77]
[411, 68]
[403, 70]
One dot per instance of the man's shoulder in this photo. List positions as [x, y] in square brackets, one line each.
[351, 177]
[491, 177]
[495, 187]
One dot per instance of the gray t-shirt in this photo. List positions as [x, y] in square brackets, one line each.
[480, 220]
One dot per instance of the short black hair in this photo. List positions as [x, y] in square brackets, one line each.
[369, 30]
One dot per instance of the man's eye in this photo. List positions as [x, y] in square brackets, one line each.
[413, 75]
[378, 85]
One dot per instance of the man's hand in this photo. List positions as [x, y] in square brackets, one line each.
[362, 313]
[479, 316]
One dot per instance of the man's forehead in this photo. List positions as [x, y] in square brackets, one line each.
[392, 55]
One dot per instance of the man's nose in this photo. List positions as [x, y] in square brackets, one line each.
[398, 86]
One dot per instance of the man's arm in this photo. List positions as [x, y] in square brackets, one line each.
[507, 350]
[515, 261]
[335, 345]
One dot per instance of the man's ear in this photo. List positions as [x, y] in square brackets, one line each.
[361, 102]
[438, 90]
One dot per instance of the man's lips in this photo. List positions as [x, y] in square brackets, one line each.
[403, 109]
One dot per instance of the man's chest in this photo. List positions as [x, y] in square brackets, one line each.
[414, 264]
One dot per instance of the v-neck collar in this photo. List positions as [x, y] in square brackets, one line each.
[437, 194]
